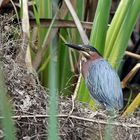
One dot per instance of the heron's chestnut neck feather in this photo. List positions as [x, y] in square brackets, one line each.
[94, 56]
[86, 64]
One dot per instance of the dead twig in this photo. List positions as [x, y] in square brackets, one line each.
[133, 55]
[60, 23]
[130, 125]
[100, 132]
[130, 75]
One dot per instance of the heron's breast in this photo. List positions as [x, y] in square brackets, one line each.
[85, 67]
[94, 57]
[87, 64]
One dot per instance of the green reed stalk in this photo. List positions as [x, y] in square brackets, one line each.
[5, 110]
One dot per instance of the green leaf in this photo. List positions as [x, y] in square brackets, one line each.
[100, 25]
[115, 25]
[122, 38]
[5, 109]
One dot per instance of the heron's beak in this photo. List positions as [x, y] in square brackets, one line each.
[77, 47]
[81, 48]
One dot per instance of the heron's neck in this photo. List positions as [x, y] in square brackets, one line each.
[94, 56]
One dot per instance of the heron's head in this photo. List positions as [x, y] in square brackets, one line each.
[86, 50]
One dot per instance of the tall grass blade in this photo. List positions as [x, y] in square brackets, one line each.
[5, 110]
[122, 38]
[77, 22]
[53, 95]
[64, 65]
[53, 86]
[100, 25]
[36, 12]
[115, 25]
[133, 106]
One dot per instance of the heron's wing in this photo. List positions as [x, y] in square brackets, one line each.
[104, 84]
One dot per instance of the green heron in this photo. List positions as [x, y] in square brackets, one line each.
[101, 79]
